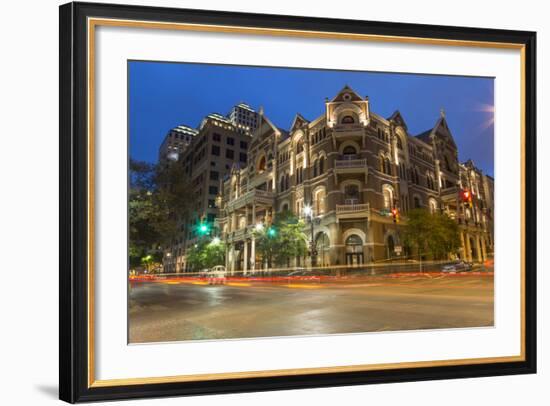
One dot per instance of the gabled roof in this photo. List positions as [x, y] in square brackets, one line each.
[398, 119]
[298, 122]
[441, 129]
[346, 89]
[425, 136]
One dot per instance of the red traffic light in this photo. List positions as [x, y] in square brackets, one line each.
[394, 212]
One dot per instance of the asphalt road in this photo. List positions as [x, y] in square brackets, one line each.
[175, 310]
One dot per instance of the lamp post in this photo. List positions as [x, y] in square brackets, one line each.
[308, 212]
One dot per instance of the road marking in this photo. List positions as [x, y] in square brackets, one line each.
[297, 286]
[237, 284]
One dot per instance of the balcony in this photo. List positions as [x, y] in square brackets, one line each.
[347, 130]
[342, 166]
[357, 210]
[255, 196]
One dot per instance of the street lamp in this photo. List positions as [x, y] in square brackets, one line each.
[215, 240]
[259, 227]
[308, 212]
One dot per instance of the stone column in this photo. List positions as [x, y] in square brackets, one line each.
[254, 214]
[468, 248]
[233, 221]
[232, 259]
[478, 244]
[245, 257]
[253, 254]
[463, 246]
[483, 248]
[227, 257]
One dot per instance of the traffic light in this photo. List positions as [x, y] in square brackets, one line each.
[395, 214]
[271, 232]
[466, 197]
[203, 229]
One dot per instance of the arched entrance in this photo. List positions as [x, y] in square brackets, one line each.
[354, 250]
[322, 246]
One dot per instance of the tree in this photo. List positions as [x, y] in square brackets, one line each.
[206, 254]
[436, 234]
[283, 240]
[157, 202]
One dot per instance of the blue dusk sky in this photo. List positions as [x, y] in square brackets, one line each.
[163, 95]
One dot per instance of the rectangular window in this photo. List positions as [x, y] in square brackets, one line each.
[211, 203]
[213, 190]
[214, 175]
[242, 157]
[244, 144]
[229, 154]
[230, 141]
[215, 150]
[216, 137]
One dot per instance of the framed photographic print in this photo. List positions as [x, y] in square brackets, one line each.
[258, 202]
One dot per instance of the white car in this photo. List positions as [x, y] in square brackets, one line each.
[217, 275]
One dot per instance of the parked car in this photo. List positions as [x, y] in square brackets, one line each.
[457, 266]
[217, 275]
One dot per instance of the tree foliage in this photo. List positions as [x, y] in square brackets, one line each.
[157, 200]
[283, 240]
[435, 234]
[206, 254]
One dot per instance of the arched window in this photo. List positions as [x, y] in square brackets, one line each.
[447, 164]
[416, 202]
[321, 165]
[282, 183]
[387, 166]
[349, 151]
[300, 175]
[322, 244]
[300, 146]
[287, 181]
[387, 192]
[414, 175]
[351, 194]
[399, 143]
[261, 164]
[348, 120]
[315, 168]
[319, 198]
[354, 244]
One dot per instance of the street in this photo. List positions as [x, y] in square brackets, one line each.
[181, 309]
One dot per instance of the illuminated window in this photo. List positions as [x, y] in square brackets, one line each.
[388, 197]
[319, 201]
[261, 164]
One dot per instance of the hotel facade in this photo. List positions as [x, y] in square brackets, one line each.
[353, 168]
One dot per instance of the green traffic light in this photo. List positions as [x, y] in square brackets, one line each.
[271, 232]
[203, 228]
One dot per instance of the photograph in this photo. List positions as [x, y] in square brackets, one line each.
[271, 202]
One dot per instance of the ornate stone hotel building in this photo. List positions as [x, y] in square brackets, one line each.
[352, 167]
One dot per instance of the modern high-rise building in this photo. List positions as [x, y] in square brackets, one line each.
[176, 142]
[244, 118]
[352, 168]
[218, 146]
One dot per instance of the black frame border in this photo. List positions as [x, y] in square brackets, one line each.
[73, 178]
